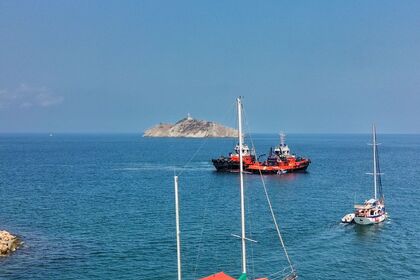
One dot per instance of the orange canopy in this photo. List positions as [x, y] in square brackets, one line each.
[218, 276]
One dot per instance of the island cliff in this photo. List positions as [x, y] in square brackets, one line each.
[189, 127]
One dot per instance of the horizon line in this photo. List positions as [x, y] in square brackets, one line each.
[142, 133]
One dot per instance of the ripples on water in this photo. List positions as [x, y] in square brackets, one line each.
[101, 207]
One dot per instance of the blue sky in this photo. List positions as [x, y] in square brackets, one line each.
[123, 66]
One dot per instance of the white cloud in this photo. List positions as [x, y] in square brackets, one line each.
[26, 96]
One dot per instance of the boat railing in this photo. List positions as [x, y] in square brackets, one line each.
[362, 206]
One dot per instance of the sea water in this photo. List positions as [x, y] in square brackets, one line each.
[102, 207]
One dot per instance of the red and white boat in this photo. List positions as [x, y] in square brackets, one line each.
[231, 162]
[280, 161]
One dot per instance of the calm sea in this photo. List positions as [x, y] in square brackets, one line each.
[102, 207]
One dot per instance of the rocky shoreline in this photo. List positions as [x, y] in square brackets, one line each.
[8, 243]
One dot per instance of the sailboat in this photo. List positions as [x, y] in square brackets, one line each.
[291, 274]
[372, 211]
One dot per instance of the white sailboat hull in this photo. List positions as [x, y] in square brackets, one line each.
[369, 220]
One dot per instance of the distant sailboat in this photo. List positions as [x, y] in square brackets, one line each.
[373, 210]
[290, 275]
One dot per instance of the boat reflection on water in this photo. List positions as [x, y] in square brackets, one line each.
[364, 232]
[285, 177]
[288, 177]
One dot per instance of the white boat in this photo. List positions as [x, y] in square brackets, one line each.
[372, 211]
[286, 274]
[349, 218]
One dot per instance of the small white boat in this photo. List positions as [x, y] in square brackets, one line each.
[347, 219]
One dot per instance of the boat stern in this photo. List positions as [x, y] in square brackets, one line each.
[369, 220]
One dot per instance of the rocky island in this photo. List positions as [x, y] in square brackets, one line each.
[8, 243]
[189, 127]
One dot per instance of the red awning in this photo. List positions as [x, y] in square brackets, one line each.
[218, 276]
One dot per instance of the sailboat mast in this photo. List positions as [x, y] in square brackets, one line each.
[178, 240]
[240, 137]
[375, 175]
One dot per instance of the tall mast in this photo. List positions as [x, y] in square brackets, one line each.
[178, 240]
[282, 138]
[375, 175]
[240, 136]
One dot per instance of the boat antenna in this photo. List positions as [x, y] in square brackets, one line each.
[178, 232]
[241, 167]
[282, 138]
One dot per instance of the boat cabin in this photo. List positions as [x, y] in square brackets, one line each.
[245, 150]
[282, 150]
[371, 208]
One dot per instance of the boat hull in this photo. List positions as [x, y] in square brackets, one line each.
[225, 164]
[279, 169]
[369, 220]
[231, 164]
[301, 168]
